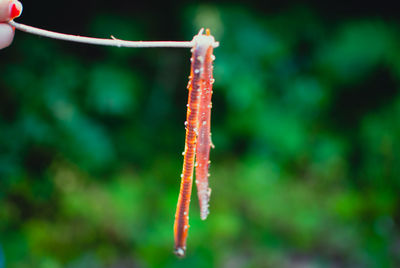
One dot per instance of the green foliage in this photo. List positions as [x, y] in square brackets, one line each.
[306, 123]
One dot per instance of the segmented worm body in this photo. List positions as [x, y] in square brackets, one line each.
[199, 75]
[204, 137]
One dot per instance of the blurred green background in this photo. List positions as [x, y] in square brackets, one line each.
[305, 122]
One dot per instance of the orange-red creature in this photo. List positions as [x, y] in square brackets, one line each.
[198, 140]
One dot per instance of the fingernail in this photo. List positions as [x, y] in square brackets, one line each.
[15, 9]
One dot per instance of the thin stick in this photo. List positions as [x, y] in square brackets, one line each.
[102, 41]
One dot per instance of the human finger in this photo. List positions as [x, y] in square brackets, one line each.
[9, 9]
[6, 35]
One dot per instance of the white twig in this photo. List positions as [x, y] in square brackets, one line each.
[102, 41]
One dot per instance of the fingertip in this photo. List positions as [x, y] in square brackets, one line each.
[15, 9]
[6, 35]
[10, 9]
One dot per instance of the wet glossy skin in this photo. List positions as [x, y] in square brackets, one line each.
[197, 85]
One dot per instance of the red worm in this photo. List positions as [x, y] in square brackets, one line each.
[204, 137]
[197, 82]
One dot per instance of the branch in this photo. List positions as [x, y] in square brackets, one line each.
[102, 41]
